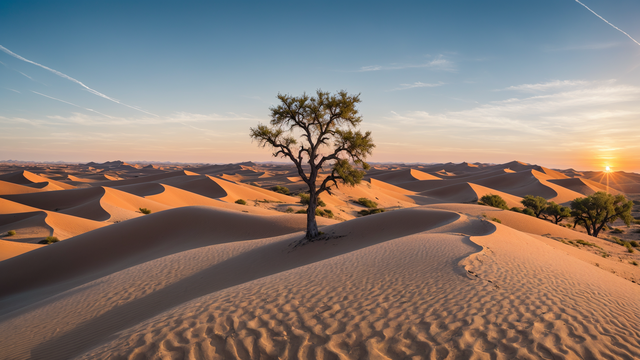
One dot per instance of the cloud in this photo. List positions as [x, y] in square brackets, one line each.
[95, 92]
[551, 85]
[588, 110]
[72, 104]
[416, 85]
[603, 19]
[439, 63]
[16, 91]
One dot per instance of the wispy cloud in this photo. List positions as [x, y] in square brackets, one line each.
[603, 19]
[439, 63]
[551, 85]
[417, 84]
[72, 104]
[16, 91]
[589, 111]
[95, 92]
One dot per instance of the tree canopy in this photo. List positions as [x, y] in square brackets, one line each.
[494, 200]
[315, 132]
[557, 212]
[537, 204]
[599, 209]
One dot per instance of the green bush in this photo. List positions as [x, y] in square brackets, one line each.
[537, 204]
[301, 211]
[529, 212]
[11, 233]
[495, 201]
[145, 211]
[633, 263]
[371, 212]
[326, 213]
[617, 241]
[634, 243]
[516, 209]
[290, 210]
[305, 198]
[49, 240]
[367, 203]
[496, 220]
[241, 202]
[629, 247]
[585, 243]
[281, 190]
[617, 231]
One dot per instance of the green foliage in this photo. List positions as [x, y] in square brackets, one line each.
[290, 210]
[617, 241]
[633, 262]
[496, 220]
[516, 209]
[281, 190]
[537, 204]
[370, 211]
[634, 243]
[595, 211]
[254, 184]
[326, 213]
[302, 127]
[495, 201]
[585, 243]
[529, 212]
[49, 240]
[628, 246]
[568, 226]
[241, 202]
[11, 232]
[617, 231]
[367, 203]
[305, 199]
[145, 211]
[301, 211]
[557, 212]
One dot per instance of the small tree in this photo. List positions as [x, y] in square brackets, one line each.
[494, 200]
[557, 212]
[537, 204]
[596, 211]
[326, 125]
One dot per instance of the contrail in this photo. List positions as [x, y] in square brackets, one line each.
[603, 19]
[72, 79]
[72, 104]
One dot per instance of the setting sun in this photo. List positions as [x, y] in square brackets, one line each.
[607, 169]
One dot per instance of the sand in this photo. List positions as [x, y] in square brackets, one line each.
[436, 276]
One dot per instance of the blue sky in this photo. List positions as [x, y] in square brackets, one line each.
[543, 81]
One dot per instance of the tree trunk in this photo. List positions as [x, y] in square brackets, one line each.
[312, 226]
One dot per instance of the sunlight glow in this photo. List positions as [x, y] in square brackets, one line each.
[607, 169]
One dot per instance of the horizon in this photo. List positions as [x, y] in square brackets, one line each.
[549, 83]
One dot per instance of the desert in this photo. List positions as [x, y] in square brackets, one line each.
[436, 275]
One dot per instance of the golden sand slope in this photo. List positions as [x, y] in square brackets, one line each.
[404, 284]
[7, 188]
[9, 249]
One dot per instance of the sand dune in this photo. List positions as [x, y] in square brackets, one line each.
[469, 192]
[403, 176]
[28, 178]
[99, 203]
[7, 188]
[205, 278]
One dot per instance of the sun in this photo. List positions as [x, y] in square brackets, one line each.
[607, 169]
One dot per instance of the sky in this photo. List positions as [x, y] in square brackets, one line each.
[549, 82]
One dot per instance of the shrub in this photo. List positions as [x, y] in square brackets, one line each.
[617, 241]
[254, 184]
[633, 263]
[241, 202]
[305, 198]
[326, 213]
[585, 243]
[529, 212]
[516, 209]
[281, 190]
[49, 240]
[301, 211]
[145, 211]
[629, 247]
[289, 210]
[371, 212]
[367, 203]
[633, 243]
[617, 231]
[11, 233]
[494, 201]
[496, 220]
[569, 226]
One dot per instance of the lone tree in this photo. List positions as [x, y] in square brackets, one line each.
[537, 204]
[557, 212]
[599, 209]
[326, 127]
